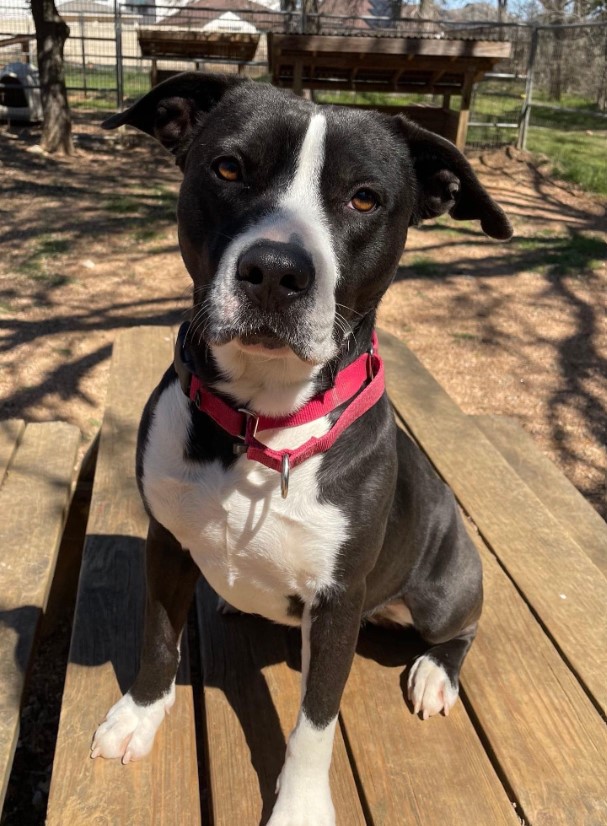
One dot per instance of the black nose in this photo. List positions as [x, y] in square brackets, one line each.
[273, 274]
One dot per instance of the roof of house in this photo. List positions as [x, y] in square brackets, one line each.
[265, 18]
[84, 7]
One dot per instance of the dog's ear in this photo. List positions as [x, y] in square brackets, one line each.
[447, 183]
[171, 111]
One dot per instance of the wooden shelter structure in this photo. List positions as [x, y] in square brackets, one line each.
[23, 40]
[200, 46]
[366, 63]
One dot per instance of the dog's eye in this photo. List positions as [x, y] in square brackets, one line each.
[364, 201]
[228, 169]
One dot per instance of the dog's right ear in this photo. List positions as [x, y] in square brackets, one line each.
[172, 110]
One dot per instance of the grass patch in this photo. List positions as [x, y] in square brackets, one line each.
[101, 86]
[122, 205]
[159, 204]
[40, 265]
[146, 234]
[465, 336]
[371, 98]
[424, 267]
[564, 255]
[578, 157]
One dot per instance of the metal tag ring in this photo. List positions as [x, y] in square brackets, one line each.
[284, 476]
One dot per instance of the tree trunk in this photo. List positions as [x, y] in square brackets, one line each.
[501, 13]
[310, 11]
[51, 34]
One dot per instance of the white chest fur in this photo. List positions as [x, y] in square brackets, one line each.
[255, 548]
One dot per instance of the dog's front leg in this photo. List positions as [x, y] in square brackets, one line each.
[329, 633]
[130, 726]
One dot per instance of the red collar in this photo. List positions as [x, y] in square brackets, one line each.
[360, 386]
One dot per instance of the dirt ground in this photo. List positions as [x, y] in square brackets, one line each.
[89, 247]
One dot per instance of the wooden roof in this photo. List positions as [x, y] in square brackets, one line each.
[197, 45]
[391, 64]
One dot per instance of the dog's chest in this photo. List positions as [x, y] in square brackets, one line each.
[256, 549]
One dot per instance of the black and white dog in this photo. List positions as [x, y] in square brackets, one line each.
[292, 220]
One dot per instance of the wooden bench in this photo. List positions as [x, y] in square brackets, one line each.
[37, 468]
[527, 742]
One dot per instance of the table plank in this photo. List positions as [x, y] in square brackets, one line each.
[549, 740]
[414, 771]
[251, 697]
[163, 788]
[33, 504]
[560, 582]
[10, 433]
[574, 513]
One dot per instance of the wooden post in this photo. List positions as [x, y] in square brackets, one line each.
[83, 54]
[526, 113]
[119, 74]
[298, 77]
[464, 112]
[447, 102]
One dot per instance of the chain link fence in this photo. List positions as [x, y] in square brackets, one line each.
[550, 92]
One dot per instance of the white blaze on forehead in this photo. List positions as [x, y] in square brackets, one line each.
[304, 190]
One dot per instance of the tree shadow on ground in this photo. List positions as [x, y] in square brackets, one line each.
[560, 261]
[67, 378]
[108, 189]
[106, 204]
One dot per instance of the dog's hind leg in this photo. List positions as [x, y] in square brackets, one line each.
[130, 726]
[433, 683]
[445, 605]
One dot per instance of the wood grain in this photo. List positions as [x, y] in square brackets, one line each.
[413, 771]
[311, 45]
[10, 433]
[251, 695]
[572, 511]
[163, 788]
[563, 586]
[549, 740]
[33, 503]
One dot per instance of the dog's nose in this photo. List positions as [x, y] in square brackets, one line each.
[273, 274]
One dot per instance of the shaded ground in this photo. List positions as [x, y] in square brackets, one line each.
[89, 247]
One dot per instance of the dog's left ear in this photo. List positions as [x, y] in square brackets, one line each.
[447, 183]
[171, 111]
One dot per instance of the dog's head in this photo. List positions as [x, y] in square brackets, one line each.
[292, 217]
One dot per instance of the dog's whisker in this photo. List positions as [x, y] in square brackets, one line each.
[350, 310]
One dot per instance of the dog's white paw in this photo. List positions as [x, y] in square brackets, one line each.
[303, 806]
[430, 689]
[129, 729]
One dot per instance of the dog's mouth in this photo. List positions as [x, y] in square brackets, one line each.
[263, 340]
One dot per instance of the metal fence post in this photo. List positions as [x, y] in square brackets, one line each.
[526, 113]
[83, 54]
[119, 73]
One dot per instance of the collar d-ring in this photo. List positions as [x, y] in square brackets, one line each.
[284, 476]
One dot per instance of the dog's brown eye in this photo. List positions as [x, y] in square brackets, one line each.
[363, 201]
[228, 169]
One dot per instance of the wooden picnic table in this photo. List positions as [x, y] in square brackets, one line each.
[526, 743]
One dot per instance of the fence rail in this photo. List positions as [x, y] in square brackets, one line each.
[556, 75]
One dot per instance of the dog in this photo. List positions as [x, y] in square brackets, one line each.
[268, 457]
